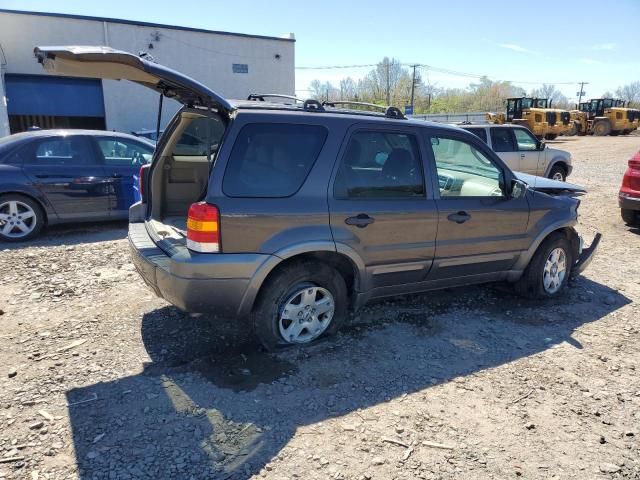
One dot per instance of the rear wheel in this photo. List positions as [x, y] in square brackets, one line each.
[601, 128]
[548, 271]
[21, 218]
[630, 217]
[299, 304]
[558, 172]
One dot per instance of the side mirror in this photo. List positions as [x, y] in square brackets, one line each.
[518, 188]
[541, 145]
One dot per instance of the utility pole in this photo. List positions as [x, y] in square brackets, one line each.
[388, 83]
[581, 92]
[413, 83]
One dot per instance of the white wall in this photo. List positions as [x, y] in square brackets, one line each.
[207, 57]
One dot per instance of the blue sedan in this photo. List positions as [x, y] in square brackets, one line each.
[62, 176]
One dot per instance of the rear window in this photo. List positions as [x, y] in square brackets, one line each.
[272, 160]
[481, 133]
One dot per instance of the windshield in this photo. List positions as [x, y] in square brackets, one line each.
[527, 102]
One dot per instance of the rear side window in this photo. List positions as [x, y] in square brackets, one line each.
[380, 165]
[72, 150]
[481, 133]
[193, 139]
[501, 140]
[272, 160]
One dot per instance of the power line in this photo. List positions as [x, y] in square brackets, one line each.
[433, 68]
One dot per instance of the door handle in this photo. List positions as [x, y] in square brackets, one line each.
[361, 220]
[522, 155]
[116, 175]
[459, 217]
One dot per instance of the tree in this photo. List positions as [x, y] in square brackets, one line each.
[630, 93]
[555, 96]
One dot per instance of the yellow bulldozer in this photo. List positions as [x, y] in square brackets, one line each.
[536, 114]
[605, 116]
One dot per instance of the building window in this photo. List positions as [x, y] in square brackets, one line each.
[240, 68]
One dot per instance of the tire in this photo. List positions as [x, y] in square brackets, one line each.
[601, 128]
[13, 211]
[558, 171]
[630, 217]
[551, 136]
[532, 283]
[575, 128]
[283, 289]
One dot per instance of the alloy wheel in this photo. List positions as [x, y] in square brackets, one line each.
[555, 269]
[17, 219]
[306, 314]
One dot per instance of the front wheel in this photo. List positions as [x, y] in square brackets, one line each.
[299, 304]
[548, 271]
[21, 218]
[558, 173]
[601, 128]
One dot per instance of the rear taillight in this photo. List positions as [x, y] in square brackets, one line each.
[203, 228]
[143, 177]
[631, 180]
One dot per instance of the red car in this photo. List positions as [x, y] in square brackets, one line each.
[629, 196]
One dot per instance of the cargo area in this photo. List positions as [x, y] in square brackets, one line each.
[181, 173]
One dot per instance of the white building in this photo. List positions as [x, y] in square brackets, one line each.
[232, 64]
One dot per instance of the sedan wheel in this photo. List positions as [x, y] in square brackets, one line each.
[17, 219]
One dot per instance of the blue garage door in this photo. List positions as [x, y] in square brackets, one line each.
[54, 96]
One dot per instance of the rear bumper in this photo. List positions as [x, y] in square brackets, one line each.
[586, 255]
[629, 203]
[199, 283]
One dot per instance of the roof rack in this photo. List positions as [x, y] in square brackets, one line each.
[261, 97]
[389, 112]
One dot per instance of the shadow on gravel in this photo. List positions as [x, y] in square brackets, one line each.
[211, 405]
[74, 234]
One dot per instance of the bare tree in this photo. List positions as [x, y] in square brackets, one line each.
[630, 93]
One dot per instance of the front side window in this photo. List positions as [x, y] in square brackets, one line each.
[525, 141]
[71, 150]
[124, 152]
[380, 165]
[464, 171]
[272, 160]
[501, 140]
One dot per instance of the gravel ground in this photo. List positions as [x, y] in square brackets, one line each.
[99, 379]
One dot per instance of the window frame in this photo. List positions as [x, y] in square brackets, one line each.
[228, 160]
[478, 144]
[383, 129]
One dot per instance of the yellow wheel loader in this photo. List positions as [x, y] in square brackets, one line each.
[536, 114]
[609, 116]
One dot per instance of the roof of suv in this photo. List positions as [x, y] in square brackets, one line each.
[351, 113]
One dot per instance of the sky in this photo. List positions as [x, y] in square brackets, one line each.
[554, 42]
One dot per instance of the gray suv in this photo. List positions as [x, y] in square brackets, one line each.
[290, 215]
